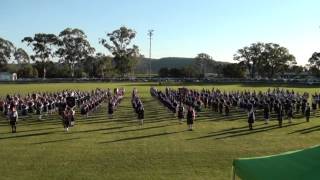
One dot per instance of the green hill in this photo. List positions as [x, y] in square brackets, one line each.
[168, 62]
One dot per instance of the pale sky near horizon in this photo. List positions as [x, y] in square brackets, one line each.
[183, 28]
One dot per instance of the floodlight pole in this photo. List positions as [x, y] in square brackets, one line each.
[150, 34]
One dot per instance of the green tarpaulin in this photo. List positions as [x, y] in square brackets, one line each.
[302, 164]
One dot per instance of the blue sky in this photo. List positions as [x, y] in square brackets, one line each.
[183, 28]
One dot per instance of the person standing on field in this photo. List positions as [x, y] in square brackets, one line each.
[13, 118]
[180, 112]
[266, 113]
[307, 112]
[190, 118]
[290, 114]
[251, 118]
[280, 115]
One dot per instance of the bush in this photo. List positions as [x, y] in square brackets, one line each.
[27, 71]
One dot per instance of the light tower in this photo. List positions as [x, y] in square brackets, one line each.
[150, 34]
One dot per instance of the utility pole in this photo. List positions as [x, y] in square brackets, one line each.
[150, 34]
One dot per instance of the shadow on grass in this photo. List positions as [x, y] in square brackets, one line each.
[142, 137]
[242, 132]
[59, 140]
[233, 129]
[26, 135]
[100, 129]
[31, 130]
[307, 130]
[138, 129]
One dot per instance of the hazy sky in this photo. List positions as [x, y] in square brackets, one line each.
[183, 28]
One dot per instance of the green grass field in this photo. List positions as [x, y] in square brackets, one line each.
[102, 148]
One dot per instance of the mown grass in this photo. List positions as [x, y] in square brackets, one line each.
[118, 148]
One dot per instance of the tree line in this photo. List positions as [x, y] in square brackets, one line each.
[74, 54]
[259, 60]
[70, 54]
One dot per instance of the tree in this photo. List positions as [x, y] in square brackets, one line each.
[7, 49]
[100, 66]
[21, 56]
[275, 59]
[233, 71]
[250, 57]
[124, 54]
[297, 69]
[42, 46]
[27, 71]
[314, 71]
[175, 72]
[315, 60]
[105, 66]
[266, 60]
[203, 60]
[164, 72]
[189, 71]
[73, 48]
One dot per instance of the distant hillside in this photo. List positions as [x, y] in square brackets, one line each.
[171, 62]
[168, 62]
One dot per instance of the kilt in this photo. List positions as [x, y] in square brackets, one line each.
[39, 111]
[180, 115]
[24, 112]
[251, 119]
[66, 122]
[110, 110]
[189, 120]
[13, 121]
[140, 115]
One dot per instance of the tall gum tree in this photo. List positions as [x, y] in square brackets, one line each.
[74, 48]
[124, 55]
[42, 45]
[7, 50]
